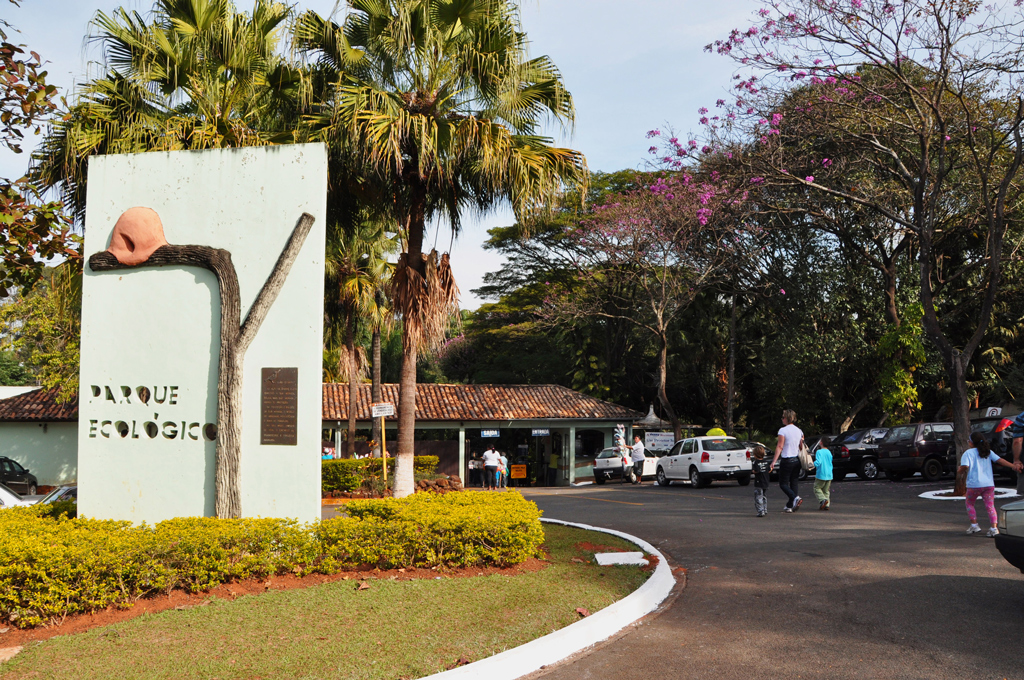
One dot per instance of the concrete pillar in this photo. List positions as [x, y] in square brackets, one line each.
[572, 455]
[462, 455]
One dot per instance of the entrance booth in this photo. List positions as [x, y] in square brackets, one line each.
[550, 433]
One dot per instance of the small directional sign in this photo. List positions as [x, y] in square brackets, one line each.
[383, 409]
[490, 433]
[541, 432]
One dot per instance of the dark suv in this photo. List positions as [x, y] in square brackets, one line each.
[919, 447]
[997, 432]
[17, 477]
[857, 451]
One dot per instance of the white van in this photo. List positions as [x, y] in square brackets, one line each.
[702, 460]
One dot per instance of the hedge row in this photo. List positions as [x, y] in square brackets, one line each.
[353, 474]
[51, 567]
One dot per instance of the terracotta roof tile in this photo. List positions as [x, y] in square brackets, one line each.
[433, 402]
[480, 403]
[38, 405]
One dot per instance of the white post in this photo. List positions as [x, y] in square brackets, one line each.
[572, 455]
[462, 455]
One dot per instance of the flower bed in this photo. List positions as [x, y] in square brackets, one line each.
[52, 565]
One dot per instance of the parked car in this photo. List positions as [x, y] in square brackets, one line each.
[857, 451]
[608, 465]
[11, 499]
[61, 493]
[1010, 541]
[996, 431]
[16, 477]
[919, 447]
[702, 460]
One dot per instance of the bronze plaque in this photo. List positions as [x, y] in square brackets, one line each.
[279, 406]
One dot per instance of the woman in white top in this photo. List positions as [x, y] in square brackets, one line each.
[980, 482]
[791, 438]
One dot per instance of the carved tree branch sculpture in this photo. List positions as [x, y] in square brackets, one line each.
[138, 241]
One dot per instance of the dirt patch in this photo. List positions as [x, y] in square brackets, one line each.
[180, 599]
[652, 563]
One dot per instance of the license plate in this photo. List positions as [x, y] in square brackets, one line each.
[894, 454]
[730, 467]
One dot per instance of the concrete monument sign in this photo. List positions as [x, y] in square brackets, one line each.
[202, 334]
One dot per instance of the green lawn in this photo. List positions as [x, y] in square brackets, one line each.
[396, 629]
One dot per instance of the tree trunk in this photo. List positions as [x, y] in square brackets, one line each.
[730, 371]
[404, 483]
[956, 367]
[353, 386]
[662, 395]
[848, 421]
[375, 390]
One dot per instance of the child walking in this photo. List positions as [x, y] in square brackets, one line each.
[761, 466]
[978, 464]
[823, 474]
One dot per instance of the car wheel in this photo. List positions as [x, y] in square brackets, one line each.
[696, 479]
[932, 470]
[894, 476]
[31, 490]
[802, 475]
[744, 480]
[868, 469]
[662, 479]
[599, 478]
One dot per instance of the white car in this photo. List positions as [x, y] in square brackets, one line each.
[1010, 541]
[608, 465]
[704, 459]
[10, 499]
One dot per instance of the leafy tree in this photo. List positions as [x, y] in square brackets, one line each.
[922, 109]
[33, 231]
[440, 100]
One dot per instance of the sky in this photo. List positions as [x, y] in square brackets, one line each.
[630, 66]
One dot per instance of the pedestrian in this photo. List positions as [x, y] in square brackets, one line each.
[977, 462]
[638, 457]
[553, 469]
[491, 461]
[474, 469]
[791, 438]
[760, 466]
[502, 470]
[823, 474]
[1016, 433]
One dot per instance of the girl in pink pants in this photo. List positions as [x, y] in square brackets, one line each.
[978, 464]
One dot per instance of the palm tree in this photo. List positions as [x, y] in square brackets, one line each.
[197, 74]
[356, 270]
[440, 103]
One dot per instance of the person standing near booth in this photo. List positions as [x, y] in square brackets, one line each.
[638, 457]
[491, 461]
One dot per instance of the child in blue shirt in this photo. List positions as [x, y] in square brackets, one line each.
[823, 474]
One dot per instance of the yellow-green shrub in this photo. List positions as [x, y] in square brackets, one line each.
[52, 565]
[352, 474]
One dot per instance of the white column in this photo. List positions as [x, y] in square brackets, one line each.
[462, 455]
[572, 455]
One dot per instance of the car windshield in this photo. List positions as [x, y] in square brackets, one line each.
[848, 438]
[609, 453]
[724, 444]
[52, 496]
[900, 434]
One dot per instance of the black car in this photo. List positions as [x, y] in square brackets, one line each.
[770, 453]
[16, 477]
[997, 433]
[857, 451]
[919, 447]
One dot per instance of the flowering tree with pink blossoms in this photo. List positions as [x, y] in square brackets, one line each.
[908, 111]
[643, 256]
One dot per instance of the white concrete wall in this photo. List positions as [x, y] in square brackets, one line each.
[48, 450]
[159, 328]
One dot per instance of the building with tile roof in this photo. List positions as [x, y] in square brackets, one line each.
[529, 423]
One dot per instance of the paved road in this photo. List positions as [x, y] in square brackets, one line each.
[886, 585]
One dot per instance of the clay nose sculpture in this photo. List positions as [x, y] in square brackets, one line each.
[137, 234]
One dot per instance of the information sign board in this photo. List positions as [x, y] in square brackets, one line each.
[490, 433]
[659, 441]
[383, 409]
[541, 432]
[518, 472]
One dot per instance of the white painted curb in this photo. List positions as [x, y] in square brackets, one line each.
[1001, 494]
[552, 648]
